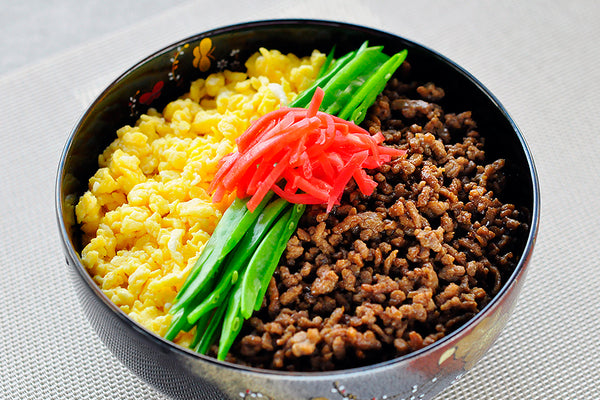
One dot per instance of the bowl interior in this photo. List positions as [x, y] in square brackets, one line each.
[166, 75]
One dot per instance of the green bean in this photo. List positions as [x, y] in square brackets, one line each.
[214, 298]
[265, 277]
[348, 90]
[365, 60]
[232, 323]
[234, 213]
[366, 95]
[262, 257]
[327, 63]
[225, 237]
[264, 261]
[239, 257]
[178, 323]
[180, 315]
[210, 334]
[304, 98]
[201, 325]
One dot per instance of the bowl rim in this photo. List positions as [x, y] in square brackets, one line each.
[288, 22]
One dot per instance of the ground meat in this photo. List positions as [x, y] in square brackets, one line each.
[384, 275]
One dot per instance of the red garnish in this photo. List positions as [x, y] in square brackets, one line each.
[315, 153]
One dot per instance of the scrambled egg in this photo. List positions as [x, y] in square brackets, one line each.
[147, 213]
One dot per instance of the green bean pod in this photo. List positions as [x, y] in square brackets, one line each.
[304, 98]
[210, 333]
[201, 325]
[239, 257]
[325, 67]
[265, 278]
[178, 323]
[356, 109]
[232, 323]
[365, 60]
[234, 214]
[226, 236]
[265, 255]
[349, 88]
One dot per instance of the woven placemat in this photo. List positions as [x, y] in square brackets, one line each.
[539, 58]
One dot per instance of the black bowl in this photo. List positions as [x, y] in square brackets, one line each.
[184, 374]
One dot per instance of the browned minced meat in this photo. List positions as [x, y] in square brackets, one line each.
[384, 275]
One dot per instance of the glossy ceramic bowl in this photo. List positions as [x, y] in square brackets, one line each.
[184, 374]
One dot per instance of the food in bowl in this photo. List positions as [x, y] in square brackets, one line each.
[375, 278]
[387, 274]
[148, 213]
[183, 373]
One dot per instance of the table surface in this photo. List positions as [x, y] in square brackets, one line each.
[539, 58]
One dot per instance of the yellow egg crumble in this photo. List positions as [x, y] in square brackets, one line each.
[147, 213]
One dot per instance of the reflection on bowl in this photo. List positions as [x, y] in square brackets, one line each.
[184, 374]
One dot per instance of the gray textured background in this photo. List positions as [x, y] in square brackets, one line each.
[540, 58]
[31, 30]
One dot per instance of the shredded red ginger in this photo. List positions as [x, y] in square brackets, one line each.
[315, 153]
